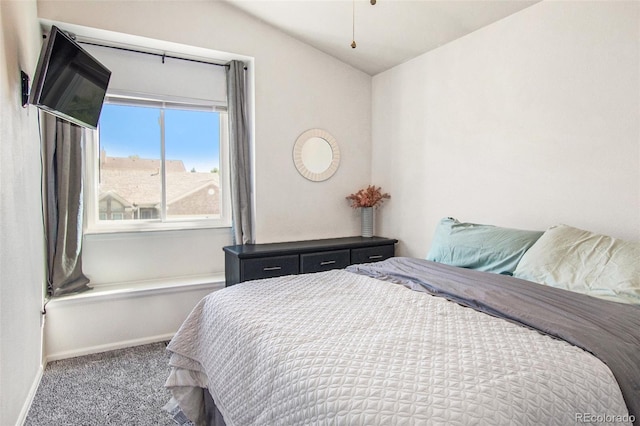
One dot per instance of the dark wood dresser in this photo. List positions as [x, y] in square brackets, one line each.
[254, 261]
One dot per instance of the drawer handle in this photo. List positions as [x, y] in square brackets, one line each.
[327, 262]
[376, 256]
[272, 268]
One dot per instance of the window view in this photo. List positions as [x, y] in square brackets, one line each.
[158, 163]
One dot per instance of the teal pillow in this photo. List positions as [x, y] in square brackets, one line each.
[482, 247]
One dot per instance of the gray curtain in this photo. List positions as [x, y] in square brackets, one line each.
[63, 206]
[239, 154]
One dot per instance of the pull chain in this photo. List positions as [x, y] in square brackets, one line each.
[353, 25]
[353, 22]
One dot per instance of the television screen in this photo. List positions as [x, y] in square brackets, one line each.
[69, 82]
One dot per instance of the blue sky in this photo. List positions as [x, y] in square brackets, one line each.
[190, 136]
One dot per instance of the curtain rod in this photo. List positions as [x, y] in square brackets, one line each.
[162, 55]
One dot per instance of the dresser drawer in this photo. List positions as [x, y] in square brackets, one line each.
[323, 261]
[372, 254]
[268, 267]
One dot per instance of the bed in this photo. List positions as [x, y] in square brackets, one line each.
[506, 337]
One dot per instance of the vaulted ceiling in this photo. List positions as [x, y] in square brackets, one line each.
[387, 34]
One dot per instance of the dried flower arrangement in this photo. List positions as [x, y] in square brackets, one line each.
[371, 196]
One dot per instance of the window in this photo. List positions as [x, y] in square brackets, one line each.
[158, 165]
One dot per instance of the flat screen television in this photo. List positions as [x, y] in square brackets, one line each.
[69, 82]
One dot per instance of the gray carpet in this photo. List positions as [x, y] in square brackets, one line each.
[122, 387]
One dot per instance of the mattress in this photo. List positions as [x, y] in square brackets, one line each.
[340, 347]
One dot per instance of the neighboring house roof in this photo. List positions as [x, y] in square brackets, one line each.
[137, 180]
[115, 196]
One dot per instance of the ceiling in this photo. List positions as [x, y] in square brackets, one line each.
[387, 34]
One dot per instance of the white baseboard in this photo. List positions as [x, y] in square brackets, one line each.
[30, 397]
[109, 347]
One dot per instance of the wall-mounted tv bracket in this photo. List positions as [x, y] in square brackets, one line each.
[25, 88]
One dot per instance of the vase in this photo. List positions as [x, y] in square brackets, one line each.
[366, 217]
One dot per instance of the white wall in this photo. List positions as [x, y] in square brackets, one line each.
[126, 257]
[529, 122]
[22, 273]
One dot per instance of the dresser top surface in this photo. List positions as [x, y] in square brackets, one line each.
[258, 250]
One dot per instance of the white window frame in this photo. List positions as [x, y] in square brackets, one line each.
[91, 171]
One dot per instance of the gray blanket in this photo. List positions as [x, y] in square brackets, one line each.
[608, 330]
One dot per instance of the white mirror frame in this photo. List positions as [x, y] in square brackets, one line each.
[298, 160]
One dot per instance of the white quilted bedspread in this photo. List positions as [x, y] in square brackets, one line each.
[337, 348]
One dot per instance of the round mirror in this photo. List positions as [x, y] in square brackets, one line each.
[316, 155]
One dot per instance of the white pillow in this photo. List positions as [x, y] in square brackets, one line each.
[584, 262]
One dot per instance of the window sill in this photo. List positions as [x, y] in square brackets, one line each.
[144, 288]
[154, 227]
